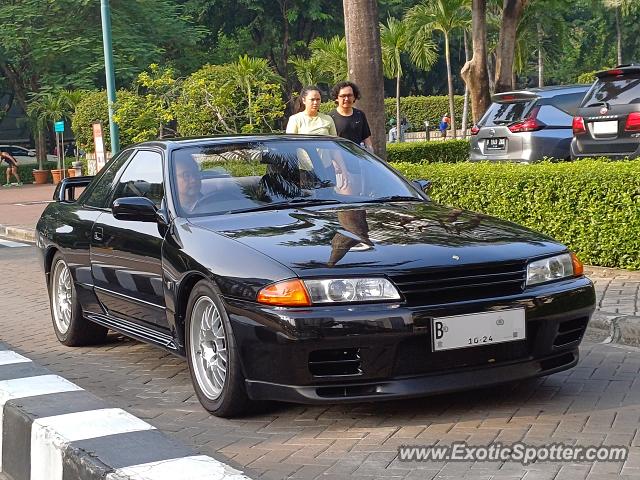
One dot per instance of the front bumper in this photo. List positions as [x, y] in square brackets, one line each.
[358, 353]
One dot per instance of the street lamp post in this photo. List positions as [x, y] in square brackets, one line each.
[108, 67]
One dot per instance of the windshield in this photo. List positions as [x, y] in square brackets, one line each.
[226, 178]
[613, 91]
[506, 113]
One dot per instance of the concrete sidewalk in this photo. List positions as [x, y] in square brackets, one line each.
[618, 291]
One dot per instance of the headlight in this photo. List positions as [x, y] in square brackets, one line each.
[351, 290]
[553, 268]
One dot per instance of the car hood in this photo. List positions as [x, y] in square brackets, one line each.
[384, 238]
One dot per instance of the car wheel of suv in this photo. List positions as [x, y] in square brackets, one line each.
[212, 354]
[71, 328]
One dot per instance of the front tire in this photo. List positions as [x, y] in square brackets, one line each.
[71, 328]
[212, 354]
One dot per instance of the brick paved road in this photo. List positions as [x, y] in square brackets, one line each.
[596, 403]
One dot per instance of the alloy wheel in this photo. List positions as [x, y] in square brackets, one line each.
[62, 297]
[208, 347]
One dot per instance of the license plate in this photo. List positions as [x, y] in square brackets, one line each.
[477, 329]
[496, 143]
[605, 128]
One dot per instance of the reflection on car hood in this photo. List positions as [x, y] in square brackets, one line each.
[382, 238]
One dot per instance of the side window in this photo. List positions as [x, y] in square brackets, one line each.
[97, 194]
[142, 178]
[567, 103]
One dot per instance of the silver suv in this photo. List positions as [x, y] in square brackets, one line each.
[527, 125]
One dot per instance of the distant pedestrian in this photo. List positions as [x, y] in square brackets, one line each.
[307, 119]
[350, 122]
[393, 134]
[444, 125]
[12, 168]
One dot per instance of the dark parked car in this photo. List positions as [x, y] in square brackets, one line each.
[608, 120]
[305, 269]
[527, 125]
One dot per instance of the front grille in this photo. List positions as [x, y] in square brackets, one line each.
[453, 284]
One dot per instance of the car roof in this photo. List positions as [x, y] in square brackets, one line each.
[172, 143]
[545, 92]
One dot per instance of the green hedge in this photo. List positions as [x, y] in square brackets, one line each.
[418, 109]
[449, 151]
[25, 171]
[592, 206]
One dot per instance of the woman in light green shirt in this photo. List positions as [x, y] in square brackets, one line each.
[310, 121]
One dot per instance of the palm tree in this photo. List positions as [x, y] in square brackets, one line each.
[310, 71]
[395, 41]
[445, 16]
[364, 59]
[45, 108]
[332, 55]
[621, 8]
[247, 71]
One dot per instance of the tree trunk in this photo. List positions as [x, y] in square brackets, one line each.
[452, 112]
[619, 35]
[364, 59]
[511, 14]
[540, 59]
[398, 122]
[41, 147]
[465, 105]
[474, 72]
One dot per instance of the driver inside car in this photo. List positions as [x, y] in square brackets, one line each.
[188, 182]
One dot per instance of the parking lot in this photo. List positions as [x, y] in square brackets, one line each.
[597, 403]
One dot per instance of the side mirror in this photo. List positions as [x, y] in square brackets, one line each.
[135, 209]
[424, 185]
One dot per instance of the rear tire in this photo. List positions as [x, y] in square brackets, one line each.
[71, 328]
[212, 354]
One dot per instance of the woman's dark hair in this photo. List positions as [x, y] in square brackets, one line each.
[335, 91]
[298, 106]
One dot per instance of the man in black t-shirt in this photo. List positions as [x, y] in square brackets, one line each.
[351, 123]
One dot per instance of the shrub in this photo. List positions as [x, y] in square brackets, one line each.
[418, 109]
[592, 206]
[449, 151]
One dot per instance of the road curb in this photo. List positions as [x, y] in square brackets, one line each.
[622, 329]
[51, 429]
[18, 233]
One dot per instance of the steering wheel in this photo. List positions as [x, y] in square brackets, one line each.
[216, 197]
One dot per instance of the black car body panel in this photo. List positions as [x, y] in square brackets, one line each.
[135, 277]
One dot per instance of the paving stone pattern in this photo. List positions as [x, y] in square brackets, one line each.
[597, 403]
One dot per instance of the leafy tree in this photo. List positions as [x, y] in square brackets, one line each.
[332, 54]
[621, 8]
[310, 71]
[250, 74]
[211, 101]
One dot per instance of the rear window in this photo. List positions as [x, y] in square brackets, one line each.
[507, 113]
[614, 91]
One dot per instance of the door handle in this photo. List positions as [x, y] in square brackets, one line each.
[97, 234]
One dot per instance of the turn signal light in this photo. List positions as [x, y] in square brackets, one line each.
[578, 268]
[633, 122]
[578, 126]
[288, 293]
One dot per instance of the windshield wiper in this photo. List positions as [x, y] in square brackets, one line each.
[393, 198]
[293, 203]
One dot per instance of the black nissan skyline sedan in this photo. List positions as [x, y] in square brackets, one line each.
[304, 269]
